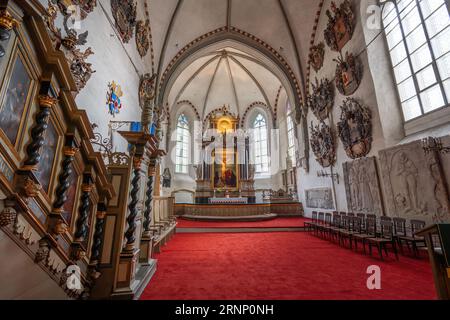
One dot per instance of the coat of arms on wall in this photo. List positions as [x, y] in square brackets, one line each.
[113, 98]
[316, 56]
[124, 13]
[355, 128]
[322, 144]
[349, 74]
[322, 98]
[142, 37]
[341, 25]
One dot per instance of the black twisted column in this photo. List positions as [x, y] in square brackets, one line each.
[148, 201]
[98, 241]
[7, 23]
[78, 251]
[132, 207]
[57, 224]
[46, 103]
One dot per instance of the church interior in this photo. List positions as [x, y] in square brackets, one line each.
[225, 150]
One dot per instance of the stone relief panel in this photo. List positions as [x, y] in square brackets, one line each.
[362, 186]
[320, 198]
[414, 184]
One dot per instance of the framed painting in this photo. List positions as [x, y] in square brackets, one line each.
[225, 172]
[71, 198]
[15, 100]
[48, 153]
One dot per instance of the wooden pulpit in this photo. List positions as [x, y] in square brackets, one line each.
[437, 238]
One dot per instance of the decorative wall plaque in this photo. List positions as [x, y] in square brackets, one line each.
[84, 7]
[142, 37]
[341, 25]
[322, 98]
[349, 73]
[322, 144]
[362, 186]
[316, 56]
[124, 13]
[320, 198]
[355, 128]
[414, 184]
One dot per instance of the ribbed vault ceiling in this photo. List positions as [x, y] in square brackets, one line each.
[225, 77]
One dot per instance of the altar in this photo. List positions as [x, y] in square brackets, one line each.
[228, 200]
[224, 173]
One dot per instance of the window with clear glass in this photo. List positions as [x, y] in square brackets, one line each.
[182, 148]
[291, 137]
[260, 145]
[417, 34]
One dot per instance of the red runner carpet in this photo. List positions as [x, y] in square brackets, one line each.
[278, 266]
[275, 223]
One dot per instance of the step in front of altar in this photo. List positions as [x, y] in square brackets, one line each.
[239, 210]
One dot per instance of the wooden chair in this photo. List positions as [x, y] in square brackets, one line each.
[363, 221]
[386, 237]
[320, 223]
[335, 227]
[370, 231]
[416, 225]
[327, 224]
[399, 231]
[310, 225]
[346, 231]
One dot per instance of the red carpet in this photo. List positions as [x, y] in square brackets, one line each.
[275, 223]
[284, 266]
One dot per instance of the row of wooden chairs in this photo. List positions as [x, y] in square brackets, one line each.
[379, 232]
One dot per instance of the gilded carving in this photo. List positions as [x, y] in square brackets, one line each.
[316, 56]
[143, 37]
[322, 99]
[349, 73]
[341, 25]
[322, 144]
[414, 183]
[146, 89]
[355, 128]
[362, 186]
[124, 13]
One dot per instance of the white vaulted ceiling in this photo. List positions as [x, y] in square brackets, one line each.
[225, 77]
[285, 25]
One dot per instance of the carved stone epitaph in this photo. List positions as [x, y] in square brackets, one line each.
[124, 13]
[320, 198]
[355, 128]
[414, 184]
[322, 144]
[341, 25]
[362, 187]
[322, 98]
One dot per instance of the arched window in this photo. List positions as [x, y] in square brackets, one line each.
[183, 138]
[417, 34]
[261, 145]
[291, 135]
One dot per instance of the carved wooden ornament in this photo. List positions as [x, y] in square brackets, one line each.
[124, 13]
[322, 144]
[143, 37]
[355, 128]
[322, 98]
[146, 89]
[316, 56]
[349, 73]
[341, 25]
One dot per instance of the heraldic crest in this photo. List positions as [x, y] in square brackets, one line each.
[113, 98]
[322, 98]
[322, 144]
